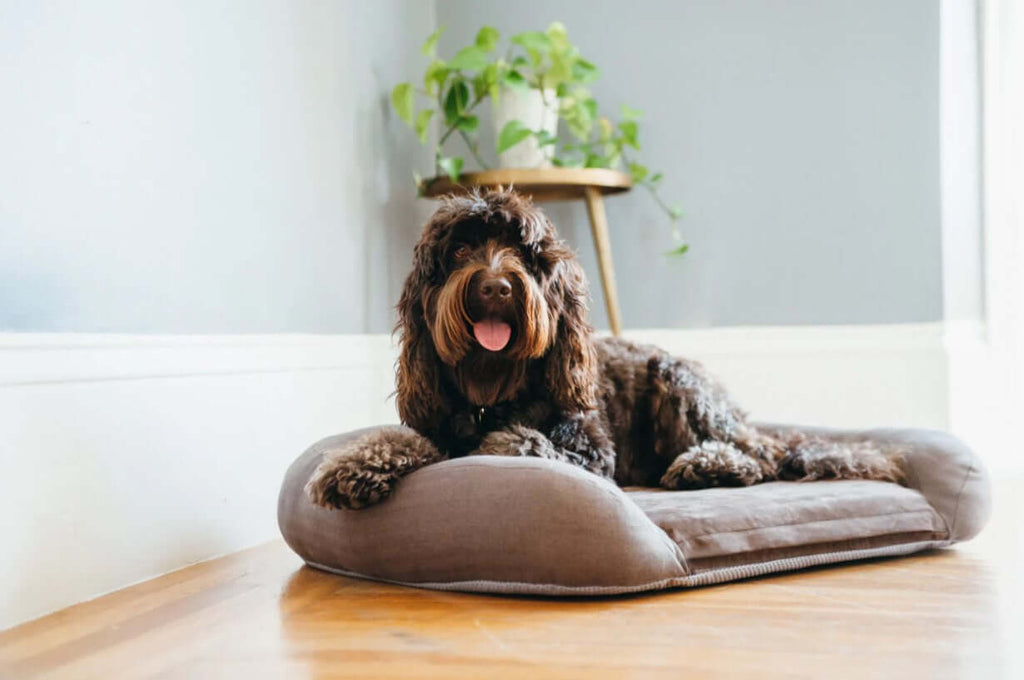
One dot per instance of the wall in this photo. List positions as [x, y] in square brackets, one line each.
[125, 457]
[801, 138]
[221, 167]
[234, 167]
[960, 132]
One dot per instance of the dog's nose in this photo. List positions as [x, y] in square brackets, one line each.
[495, 288]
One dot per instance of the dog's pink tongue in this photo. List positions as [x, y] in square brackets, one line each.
[492, 334]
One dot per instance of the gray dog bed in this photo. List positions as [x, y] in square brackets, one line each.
[528, 525]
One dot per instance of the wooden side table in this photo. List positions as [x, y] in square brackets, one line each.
[558, 184]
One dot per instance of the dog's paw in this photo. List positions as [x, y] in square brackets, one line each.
[516, 440]
[365, 471]
[709, 464]
[842, 460]
[805, 466]
[349, 482]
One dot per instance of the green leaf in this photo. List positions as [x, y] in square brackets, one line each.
[536, 59]
[401, 99]
[468, 123]
[638, 172]
[675, 212]
[510, 135]
[455, 101]
[490, 74]
[422, 123]
[487, 79]
[595, 161]
[435, 76]
[678, 250]
[470, 58]
[479, 87]
[579, 128]
[629, 130]
[532, 40]
[451, 166]
[556, 31]
[656, 177]
[430, 46]
[584, 72]
[461, 93]
[630, 114]
[579, 116]
[545, 138]
[487, 38]
[520, 62]
[515, 79]
[560, 71]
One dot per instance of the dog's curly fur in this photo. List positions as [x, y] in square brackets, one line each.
[618, 409]
[363, 471]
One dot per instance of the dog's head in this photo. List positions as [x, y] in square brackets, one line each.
[492, 285]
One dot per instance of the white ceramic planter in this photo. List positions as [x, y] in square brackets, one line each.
[535, 111]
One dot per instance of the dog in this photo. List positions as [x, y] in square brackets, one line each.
[498, 358]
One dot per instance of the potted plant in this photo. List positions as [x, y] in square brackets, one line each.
[539, 80]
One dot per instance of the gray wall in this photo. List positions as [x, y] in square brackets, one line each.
[800, 136]
[205, 167]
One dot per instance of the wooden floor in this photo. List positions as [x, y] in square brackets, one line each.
[261, 614]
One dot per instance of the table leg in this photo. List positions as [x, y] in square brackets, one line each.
[599, 228]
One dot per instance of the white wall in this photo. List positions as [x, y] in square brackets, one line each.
[961, 176]
[205, 167]
[124, 457]
[988, 382]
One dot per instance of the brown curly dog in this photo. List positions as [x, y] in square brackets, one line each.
[497, 358]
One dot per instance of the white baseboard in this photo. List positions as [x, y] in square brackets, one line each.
[125, 457]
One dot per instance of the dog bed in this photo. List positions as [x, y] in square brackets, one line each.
[541, 527]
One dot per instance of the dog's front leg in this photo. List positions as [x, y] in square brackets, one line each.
[577, 440]
[364, 471]
[520, 440]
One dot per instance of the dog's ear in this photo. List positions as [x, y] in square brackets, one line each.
[571, 371]
[418, 396]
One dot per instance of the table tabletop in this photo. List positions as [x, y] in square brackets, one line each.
[543, 184]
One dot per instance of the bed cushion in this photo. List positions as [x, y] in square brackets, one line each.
[528, 525]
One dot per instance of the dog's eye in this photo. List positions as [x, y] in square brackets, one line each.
[462, 252]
